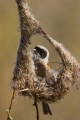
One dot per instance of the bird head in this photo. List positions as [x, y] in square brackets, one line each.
[43, 53]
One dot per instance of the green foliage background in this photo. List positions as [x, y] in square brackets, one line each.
[61, 19]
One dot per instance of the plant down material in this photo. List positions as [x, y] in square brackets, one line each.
[56, 83]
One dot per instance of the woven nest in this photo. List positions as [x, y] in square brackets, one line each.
[54, 85]
[25, 80]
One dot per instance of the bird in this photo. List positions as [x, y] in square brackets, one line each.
[41, 60]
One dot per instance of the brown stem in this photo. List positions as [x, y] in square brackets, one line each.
[55, 62]
[9, 109]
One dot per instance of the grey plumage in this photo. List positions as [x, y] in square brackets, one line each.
[46, 108]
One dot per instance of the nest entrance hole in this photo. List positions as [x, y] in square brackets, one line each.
[54, 59]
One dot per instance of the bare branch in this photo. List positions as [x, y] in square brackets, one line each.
[9, 109]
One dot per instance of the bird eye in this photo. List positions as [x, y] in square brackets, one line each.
[38, 49]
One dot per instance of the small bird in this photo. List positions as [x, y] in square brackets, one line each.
[41, 56]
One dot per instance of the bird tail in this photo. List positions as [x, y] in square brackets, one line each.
[46, 108]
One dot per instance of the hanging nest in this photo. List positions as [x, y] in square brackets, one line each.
[56, 83]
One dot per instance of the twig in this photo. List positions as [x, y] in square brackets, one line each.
[55, 62]
[9, 109]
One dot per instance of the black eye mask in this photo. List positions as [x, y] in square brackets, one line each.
[41, 52]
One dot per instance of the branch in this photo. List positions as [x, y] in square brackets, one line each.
[9, 109]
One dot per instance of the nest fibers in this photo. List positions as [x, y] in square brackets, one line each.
[55, 84]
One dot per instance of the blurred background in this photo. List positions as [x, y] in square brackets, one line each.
[61, 20]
